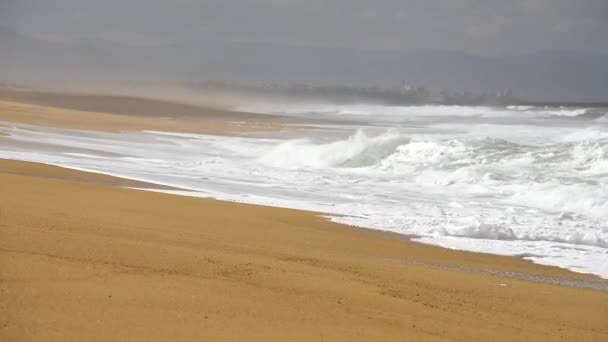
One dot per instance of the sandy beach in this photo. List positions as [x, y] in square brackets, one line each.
[85, 261]
[123, 113]
[83, 258]
[407, 171]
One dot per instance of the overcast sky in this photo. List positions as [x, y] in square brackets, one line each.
[489, 27]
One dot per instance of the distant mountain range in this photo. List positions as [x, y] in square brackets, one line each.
[549, 75]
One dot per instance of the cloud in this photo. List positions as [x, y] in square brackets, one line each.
[478, 26]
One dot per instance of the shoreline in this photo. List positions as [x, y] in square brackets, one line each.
[61, 118]
[546, 274]
[89, 256]
[579, 279]
[195, 267]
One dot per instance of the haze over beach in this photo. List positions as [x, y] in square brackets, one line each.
[351, 170]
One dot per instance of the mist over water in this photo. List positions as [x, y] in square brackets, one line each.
[529, 181]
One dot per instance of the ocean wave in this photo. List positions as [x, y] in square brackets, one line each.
[587, 134]
[393, 151]
[358, 150]
[474, 228]
[545, 196]
[581, 198]
[566, 176]
[481, 230]
[418, 111]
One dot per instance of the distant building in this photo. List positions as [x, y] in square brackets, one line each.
[406, 88]
[505, 93]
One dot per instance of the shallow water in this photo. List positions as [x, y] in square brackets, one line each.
[515, 181]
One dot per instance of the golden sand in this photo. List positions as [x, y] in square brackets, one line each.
[120, 113]
[85, 261]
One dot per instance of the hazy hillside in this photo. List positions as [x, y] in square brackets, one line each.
[555, 75]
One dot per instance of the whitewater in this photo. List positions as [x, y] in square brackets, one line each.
[521, 180]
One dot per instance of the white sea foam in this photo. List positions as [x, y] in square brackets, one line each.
[508, 185]
[395, 111]
[480, 230]
[587, 134]
[358, 150]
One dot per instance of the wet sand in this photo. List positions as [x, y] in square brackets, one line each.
[83, 259]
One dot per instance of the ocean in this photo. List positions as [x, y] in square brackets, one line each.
[521, 180]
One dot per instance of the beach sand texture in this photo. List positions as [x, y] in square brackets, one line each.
[122, 113]
[83, 259]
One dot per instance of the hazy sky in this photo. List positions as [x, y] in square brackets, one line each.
[492, 27]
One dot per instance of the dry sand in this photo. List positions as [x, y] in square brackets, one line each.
[122, 113]
[84, 261]
[123, 105]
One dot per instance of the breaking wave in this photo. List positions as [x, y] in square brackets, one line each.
[421, 111]
[569, 176]
[512, 188]
[585, 151]
[358, 150]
